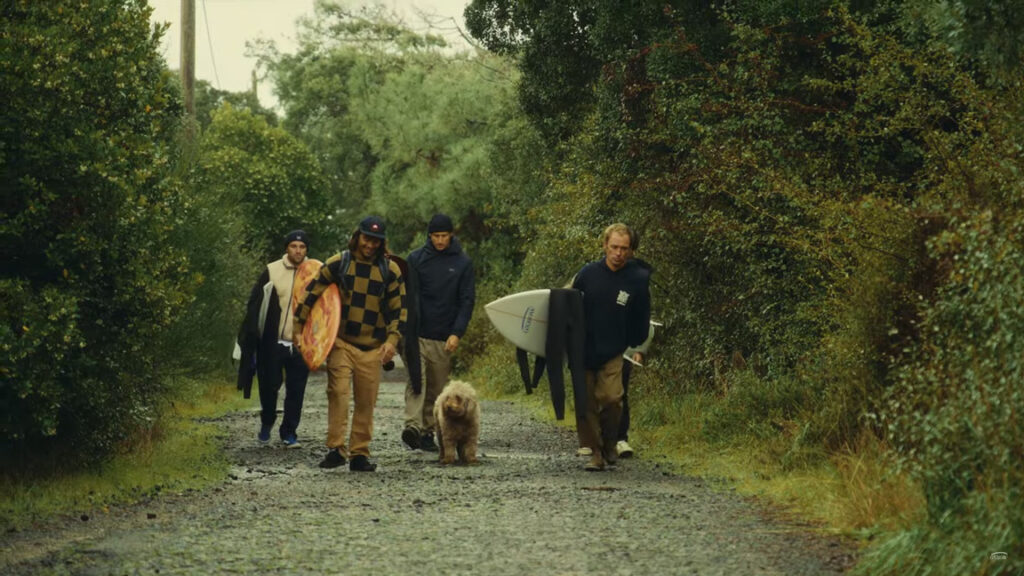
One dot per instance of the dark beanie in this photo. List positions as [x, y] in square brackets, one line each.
[297, 235]
[440, 223]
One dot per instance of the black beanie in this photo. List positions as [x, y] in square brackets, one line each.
[297, 235]
[440, 223]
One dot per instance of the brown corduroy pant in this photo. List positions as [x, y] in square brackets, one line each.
[351, 372]
[599, 428]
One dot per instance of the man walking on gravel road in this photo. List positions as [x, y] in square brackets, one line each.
[372, 320]
[267, 348]
[440, 293]
[617, 308]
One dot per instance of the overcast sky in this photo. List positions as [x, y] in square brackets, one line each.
[228, 24]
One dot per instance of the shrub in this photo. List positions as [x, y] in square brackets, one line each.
[89, 277]
[955, 412]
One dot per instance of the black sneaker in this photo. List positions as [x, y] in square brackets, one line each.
[361, 463]
[333, 459]
[427, 443]
[411, 437]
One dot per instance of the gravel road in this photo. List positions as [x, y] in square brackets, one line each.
[527, 509]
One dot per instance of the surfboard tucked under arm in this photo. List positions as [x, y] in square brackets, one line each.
[549, 324]
[321, 328]
[522, 319]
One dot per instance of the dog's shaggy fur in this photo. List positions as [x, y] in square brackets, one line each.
[457, 413]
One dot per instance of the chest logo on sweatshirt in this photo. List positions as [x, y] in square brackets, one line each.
[623, 298]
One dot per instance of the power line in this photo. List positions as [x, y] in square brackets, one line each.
[209, 41]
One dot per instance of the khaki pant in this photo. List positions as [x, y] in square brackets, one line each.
[351, 369]
[600, 426]
[436, 365]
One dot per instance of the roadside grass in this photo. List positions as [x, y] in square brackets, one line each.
[856, 492]
[177, 453]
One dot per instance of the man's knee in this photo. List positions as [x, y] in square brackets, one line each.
[608, 397]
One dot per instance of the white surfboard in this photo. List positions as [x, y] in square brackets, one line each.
[522, 319]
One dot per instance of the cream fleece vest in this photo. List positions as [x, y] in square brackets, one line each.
[282, 274]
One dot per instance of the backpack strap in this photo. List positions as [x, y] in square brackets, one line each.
[346, 260]
[385, 271]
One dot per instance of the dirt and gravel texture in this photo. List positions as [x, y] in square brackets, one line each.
[528, 508]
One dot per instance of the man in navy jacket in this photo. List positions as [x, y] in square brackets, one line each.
[441, 296]
[617, 309]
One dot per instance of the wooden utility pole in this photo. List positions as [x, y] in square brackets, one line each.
[255, 84]
[188, 55]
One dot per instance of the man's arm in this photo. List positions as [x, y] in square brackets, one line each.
[395, 300]
[577, 280]
[640, 317]
[467, 298]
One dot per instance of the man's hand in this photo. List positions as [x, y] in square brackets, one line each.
[451, 344]
[387, 352]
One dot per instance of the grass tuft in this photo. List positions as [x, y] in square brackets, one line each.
[175, 454]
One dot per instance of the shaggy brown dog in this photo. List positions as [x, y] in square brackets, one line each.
[458, 423]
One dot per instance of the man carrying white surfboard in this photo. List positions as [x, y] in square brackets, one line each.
[373, 317]
[266, 342]
[617, 309]
[441, 292]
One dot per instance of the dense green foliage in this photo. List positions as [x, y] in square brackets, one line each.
[272, 178]
[209, 99]
[129, 244]
[830, 196]
[89, 276]
[405, 129]
[830, 193]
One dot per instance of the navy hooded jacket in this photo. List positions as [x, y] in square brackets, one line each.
[445, 290]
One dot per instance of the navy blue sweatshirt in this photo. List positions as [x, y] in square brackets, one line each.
[445, 290]
[617, 308]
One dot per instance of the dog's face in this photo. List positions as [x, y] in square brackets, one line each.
[455, 406]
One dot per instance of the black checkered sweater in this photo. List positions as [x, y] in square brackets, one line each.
[362, 322]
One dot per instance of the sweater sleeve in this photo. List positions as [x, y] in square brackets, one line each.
[640, 317]
[395, 297]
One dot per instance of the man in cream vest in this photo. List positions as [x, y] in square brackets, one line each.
[266, 342]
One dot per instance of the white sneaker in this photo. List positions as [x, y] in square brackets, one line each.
[584, 451]
[624, 449]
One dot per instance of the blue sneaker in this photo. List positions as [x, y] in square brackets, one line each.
[264, 435]
[291, 441]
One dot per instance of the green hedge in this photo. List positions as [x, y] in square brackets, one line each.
[833, 214]
[89, 277]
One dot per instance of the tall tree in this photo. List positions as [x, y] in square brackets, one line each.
[403, 126]
[269, 176]
[340, 51]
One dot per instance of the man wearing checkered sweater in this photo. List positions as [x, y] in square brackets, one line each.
[372, 319]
